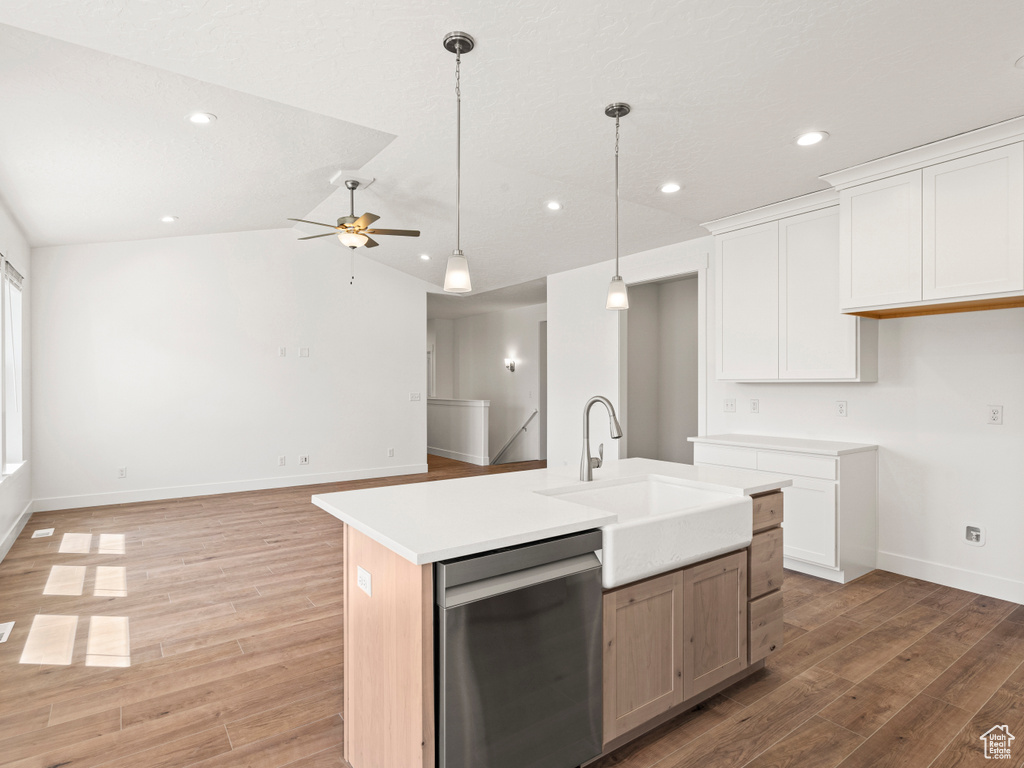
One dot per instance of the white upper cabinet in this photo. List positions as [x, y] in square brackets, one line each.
[974, 224]
[938, 228]
[777, 315]
[747, 303]
[880, 242]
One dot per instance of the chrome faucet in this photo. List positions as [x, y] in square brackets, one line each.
[589, 463]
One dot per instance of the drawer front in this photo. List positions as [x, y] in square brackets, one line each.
[765, 567]
[766, 628]
[797, 464]
[767, 511]
[727, 456]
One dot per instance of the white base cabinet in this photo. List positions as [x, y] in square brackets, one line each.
[831, 508]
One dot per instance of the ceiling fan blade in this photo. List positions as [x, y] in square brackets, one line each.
[319, 224]
[313, 237]
[365, 220]
[371, 243]
[400, 232]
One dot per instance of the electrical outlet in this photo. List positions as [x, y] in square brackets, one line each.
[364, 580]
[281, 461]
[303, 351]
[729, 405]
[122, 473]
[974, 535]
[282, 351]
[391, 453]
[303, 459]
[995, 414]
[840, 408]
[414, 397]
[755, 406]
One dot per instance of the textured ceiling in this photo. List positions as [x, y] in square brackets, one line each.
[719, 88]
[453, 305]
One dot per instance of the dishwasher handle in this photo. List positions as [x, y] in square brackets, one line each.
[510, 582]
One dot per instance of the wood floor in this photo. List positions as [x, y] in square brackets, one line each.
[234, 608]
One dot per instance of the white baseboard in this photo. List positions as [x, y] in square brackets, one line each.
[480, 461]
[54, 503]
[832, 574]
[19, 525]
[950, 576]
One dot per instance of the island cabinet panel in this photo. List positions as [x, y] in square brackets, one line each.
[389, 659]
[714, 597]
[642, 654]
[766, 625]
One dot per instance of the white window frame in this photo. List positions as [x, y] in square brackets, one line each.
[9, 274]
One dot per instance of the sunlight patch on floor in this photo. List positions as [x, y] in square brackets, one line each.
[51, 640]
[65, 580]
[111, 544]
[108, 644]
[76, 543]
[111, 581]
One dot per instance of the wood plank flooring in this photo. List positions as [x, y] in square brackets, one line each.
[234, 607]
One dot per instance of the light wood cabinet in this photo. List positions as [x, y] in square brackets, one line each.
[938, 228]
[642, 652]
[714, 597]
[777, 314]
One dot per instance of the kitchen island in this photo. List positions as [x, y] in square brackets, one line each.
[395, 534]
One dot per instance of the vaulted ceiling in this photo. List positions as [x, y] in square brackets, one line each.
[94, 145]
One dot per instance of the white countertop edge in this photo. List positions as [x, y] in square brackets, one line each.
[776, 443]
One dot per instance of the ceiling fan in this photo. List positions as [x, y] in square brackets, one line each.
[353, 231]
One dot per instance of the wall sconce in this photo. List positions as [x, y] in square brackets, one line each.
[510, 364]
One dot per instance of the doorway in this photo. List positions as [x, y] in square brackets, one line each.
[659, 362]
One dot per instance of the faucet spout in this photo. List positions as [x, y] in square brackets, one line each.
[588, 462]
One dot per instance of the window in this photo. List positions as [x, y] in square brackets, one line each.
[13, 396]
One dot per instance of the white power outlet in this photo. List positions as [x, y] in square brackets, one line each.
[840, 408]
[364, 580]
[729, 405]
[281, 461]
[995, 414]
[755, 406]
[303, 459]
[974, 535]
[282, 351]
[122, 473]
[303, 351]
[391, 453]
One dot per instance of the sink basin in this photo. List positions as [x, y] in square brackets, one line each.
[664, 523]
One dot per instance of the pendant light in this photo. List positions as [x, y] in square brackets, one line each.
[456, 275]
[617, 296]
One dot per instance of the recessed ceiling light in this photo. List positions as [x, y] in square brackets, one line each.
[425, 256]
[554, 205]
[811, 137]
[201, 118]
[169, 219]
[670, 187]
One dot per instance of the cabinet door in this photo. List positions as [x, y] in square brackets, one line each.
[714, 597]
[810, 525]
[880, 242]
[642, 659]
[974, 224]
[747, 303]
[816, 340]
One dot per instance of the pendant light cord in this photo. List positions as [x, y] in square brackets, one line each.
[458, 146]
[616, 196]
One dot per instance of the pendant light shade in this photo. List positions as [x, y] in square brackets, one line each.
[456, 275]
[352, 239]
[618, 297]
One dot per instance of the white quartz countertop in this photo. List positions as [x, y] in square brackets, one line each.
[427, 522]
[791, 444]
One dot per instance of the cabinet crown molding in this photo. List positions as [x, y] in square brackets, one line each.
[961, 145]
[794, 206]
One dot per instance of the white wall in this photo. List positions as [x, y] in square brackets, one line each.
[162, 356]
[16, 489]
[583, 343]
[441, 339]
[482, 342]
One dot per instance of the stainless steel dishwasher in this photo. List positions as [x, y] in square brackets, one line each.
[519, 656]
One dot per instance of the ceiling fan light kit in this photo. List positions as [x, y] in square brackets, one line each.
[352, 231]
[456, 274]
[618, 297]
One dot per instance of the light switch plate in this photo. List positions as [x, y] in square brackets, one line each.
[364, 580]
[5, 631]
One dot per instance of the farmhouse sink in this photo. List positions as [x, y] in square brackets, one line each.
[664, 523]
